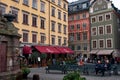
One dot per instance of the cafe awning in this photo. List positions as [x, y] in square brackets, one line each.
[64, 50]
[27, 50]
[105, 52]
[93, 51]
[47, 49]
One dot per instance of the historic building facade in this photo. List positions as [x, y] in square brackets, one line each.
[42, 22]
[79, 27]
[105, 28]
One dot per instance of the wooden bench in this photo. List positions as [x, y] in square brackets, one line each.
[56, 67]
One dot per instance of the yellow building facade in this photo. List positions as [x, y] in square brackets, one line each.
[42, 22]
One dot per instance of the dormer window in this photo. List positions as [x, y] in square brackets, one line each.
[84, 5]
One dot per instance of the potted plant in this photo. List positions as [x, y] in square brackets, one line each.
[25, 72]
[73, 76]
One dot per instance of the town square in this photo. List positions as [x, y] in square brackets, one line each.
[59, 40]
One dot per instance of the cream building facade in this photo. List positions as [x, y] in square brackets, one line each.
[43, 22]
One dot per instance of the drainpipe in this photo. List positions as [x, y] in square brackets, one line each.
[49, 26]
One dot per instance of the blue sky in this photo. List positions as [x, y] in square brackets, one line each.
[116, 2]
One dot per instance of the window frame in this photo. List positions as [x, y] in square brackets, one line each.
[95, 19]
[111, 43]
[103, 43]
[106, 28]
[93, 44]
[93, 31]
[106, 17]
[99, 29]
[42, 6]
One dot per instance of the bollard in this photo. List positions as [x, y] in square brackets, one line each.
[36, 77]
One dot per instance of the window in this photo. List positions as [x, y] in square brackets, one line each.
[25, 18]
[65, 41]
[15, 12]
[107, 16]
[53, 0]
[42, 38]
[53, 26]
[101, 43]
[59, 28]
[59, 41]
[71, 18]
[94, 31]
[42, 23]
[71, 27]
[78, 35]
[42, 6]
[78, 26]
[59, 14]
[34, 21]
[65, 17]
[25, 36]
[53, 40]
[101, 30]
[100, 18]
[108, 29]
[94, 44]
[16, 0]
[84, 5]
[64, 6]
[53, 11]
[65, 29]
[84, 15]
[93, 19]
[34, 4]
[2, 9]
[85, 46]
[77, 17]
[78, 47]
[72, 47]
[84, 35]
[25, 2]
[34, 37]
[71, 36]
[109, 43]
[59, 2]
[84, 25]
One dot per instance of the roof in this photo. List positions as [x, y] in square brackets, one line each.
[78, 2]
[115, 8]
[77, 6]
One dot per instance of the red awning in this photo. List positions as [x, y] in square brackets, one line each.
[27, 50]
[47, 49]
[65, 50]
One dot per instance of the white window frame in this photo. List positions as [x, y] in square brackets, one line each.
[95, 19]
[110, 16]
[42, 8]
[99, 31]
[3, 6]
[26, 2]
[102, 18]
[106, 29]
[103, 43]
[111, 43]
[92, 31]
[96, 44]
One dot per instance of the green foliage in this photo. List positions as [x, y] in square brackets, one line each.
[43, 56]
[25, 70]
[73, 76]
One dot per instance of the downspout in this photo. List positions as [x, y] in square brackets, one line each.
[49, 26]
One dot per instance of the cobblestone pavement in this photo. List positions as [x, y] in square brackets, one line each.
[56, 75]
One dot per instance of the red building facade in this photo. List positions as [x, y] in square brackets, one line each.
[79, 27]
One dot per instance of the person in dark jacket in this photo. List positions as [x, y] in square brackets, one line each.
[98, 66]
